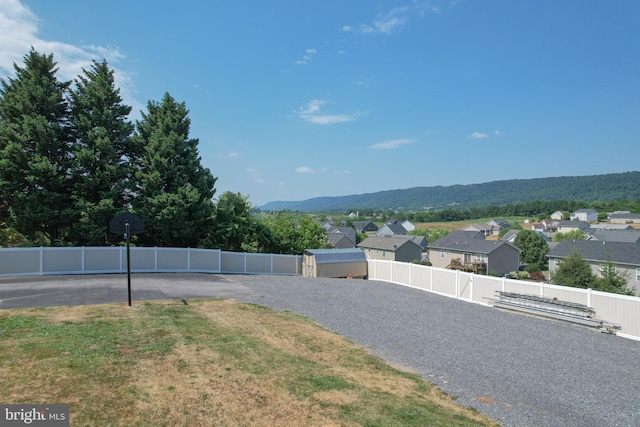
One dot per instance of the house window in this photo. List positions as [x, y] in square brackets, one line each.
[466, 258]
[637, 274]
[481, 258]
[442, 253]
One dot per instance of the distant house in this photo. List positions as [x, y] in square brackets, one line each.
[393, 248]
[620, 236]
[586, 215]
[485, 229]
[328, 224]
[465, 252]
[340, 241]
[625, 256]
[551, 225]
[510, 236]
[557, 215]
[611, 227]
[499, 223]
[624, 218]
[349, 231]
[390, 229]
[365, 227]
[408, 225]
[566, 226]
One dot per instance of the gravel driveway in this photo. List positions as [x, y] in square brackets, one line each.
[519, 370]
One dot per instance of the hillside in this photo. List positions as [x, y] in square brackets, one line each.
[609, 187]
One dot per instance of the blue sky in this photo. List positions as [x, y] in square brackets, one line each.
[292, 100]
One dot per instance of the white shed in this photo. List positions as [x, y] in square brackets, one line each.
[349, 262]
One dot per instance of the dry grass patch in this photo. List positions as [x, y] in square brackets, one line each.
[213, 362]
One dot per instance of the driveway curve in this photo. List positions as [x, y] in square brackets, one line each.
[517, 369]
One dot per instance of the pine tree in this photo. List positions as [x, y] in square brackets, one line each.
[174, 191]
[102, 148]
[574, 271]
[35, 151]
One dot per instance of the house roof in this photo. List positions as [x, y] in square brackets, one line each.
[621, 253]
[343, 230]
[418, 240]
[586, 211]
[457, 242]
[624, 216]
[510, 235]
[582, 225]
[326, 256]
[396, 228]
[335, 238]
[387, 243]
[623, 236]
[365, 224]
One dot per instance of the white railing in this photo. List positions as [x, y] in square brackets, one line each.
[103, 259]
[620, 309]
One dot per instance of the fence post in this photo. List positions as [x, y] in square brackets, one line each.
[431, 278]
[457, 283]
[471, 288]
[41, 260]
[504, 279]
[155, 259]
[588, 297]
[244, 260]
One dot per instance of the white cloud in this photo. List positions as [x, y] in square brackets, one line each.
[19, 32]
[394, 19]
[498, 133]
[344, 172]
[310, 112]
[234, 154]
[308, 54]
[392, 144]
[261, 181]
[304, 169]
[478, 135]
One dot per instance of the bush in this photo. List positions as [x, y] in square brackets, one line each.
[532, 268]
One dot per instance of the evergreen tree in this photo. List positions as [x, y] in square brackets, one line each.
[612, 280]
[35, 151]
[574, 271]
[173, 193]
[533, 246]
[102, 134]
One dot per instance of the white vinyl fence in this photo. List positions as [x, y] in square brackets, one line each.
[620, 309]
[94, 260]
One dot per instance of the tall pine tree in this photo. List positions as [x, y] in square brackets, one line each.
[174, 191]
[35, 151]
[102, 150]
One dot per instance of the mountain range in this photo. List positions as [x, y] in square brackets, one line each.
[591, 188]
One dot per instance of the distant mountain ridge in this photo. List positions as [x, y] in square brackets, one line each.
[591, 188]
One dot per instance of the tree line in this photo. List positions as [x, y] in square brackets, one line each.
[71, 160]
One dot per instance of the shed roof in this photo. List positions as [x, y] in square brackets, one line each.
[326, 256]
[388, 243]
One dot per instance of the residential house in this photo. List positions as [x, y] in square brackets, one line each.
[365, 227]
[470, 253]
[340, 241]
[349, 231]
[390, 229]
[567, 226]
[557, 215]
[485, 229]
[586, 215]
[327, 224]
[624, 218]
[551, 225]
[394, 248]
[625, 256]
[408, 225]
[510, 236]
[499, 223]
[605, 226]
[621, 236]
